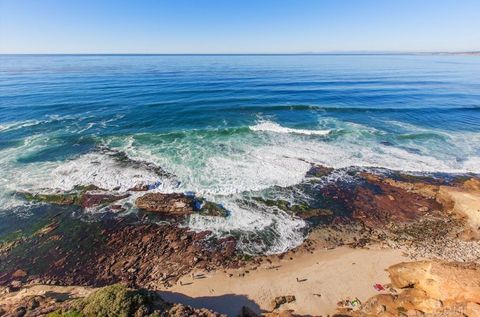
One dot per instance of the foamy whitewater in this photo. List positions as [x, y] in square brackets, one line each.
[229, 127]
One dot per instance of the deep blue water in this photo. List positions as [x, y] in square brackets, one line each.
[226, 125]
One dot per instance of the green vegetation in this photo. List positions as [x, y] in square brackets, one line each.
[284, 205]
[111, 301]
[212, 209]
[58, 199]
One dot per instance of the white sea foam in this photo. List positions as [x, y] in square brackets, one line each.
[279, 231]
[100, 170]
[18, 125]
[269, 126]
[93, 168]
[222, 168]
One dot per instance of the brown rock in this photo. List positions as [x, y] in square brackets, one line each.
[283, 313]
[96, 198]
[377, 203]
[428, 288]
[173, 204]
[472, 184]
[453, 282]
[19, 274]
[280, 300]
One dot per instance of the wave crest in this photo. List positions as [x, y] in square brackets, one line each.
[269, 126]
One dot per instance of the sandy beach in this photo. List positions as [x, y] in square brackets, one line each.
[318, 281]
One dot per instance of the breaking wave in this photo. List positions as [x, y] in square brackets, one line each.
[268, 126]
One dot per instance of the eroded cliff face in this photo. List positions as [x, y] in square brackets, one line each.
[427, 288]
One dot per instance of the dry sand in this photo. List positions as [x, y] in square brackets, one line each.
[324, 278]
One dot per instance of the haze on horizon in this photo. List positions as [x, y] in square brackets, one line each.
[238, 26]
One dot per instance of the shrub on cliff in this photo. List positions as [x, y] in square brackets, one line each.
[111, 301]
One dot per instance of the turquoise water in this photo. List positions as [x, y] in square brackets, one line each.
[226, 126]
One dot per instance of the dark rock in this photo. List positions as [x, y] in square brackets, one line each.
[85, 196]
[209, 208]
[319, 171]
[248, 312]
[58, 199]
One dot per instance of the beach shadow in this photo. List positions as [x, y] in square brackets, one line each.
[229, 304]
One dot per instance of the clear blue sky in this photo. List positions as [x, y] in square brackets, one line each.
[237, 26]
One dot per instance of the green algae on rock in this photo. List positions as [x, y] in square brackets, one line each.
[86, 196]
[209, 208]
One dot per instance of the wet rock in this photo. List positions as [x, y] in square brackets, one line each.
[85, 196]
[173, 204]
[316, 212]
[58, 199]
[98, 198]
[139, 188]
[208, 208]
[114, 250]
[123, 159]
[373, 204]
[319, 171]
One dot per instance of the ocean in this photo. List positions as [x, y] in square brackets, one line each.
[228, 127]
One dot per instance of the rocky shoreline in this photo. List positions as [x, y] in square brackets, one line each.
[426, 217]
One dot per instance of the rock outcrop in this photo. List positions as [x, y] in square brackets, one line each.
[281, 300]
[172, 204]
[449, 283]
[380, 203]
[111, 251]
[178, 204]
[83, 196]
[427, 288]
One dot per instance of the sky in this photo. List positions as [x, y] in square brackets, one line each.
[238, 26]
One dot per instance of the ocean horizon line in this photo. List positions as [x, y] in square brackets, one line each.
[353, 53]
